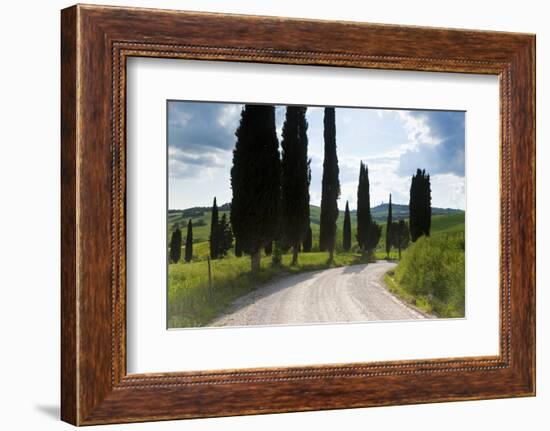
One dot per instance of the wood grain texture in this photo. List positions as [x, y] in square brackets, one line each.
[96, 41]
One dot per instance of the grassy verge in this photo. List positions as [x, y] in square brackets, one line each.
[431, 276]
[191, 303]
[421, 303]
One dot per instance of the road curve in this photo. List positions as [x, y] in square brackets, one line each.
[347, 294]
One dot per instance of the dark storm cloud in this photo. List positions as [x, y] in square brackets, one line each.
[448, 156]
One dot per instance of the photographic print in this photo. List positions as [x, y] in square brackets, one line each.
[288, 215]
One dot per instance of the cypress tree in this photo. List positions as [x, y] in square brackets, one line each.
[214, 232]
[420, 210]
[368, 231]
[401, 235]
[255, 181]
[363, 206]
[294, 179]
[308, 241]
[373, 236]
[346, 243]
[330, 186]
[189, 242]
[389, 226]
[175, 244]
[225, 236]
[238, 249]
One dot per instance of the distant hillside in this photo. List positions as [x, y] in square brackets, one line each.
[197, 211]
[446, 220]
[380, 212]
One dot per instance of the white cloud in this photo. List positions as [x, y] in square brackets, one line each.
[448, 191]
[229, 115]
[418, 130]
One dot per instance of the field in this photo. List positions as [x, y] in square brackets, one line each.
[193, 301]
[431, 274]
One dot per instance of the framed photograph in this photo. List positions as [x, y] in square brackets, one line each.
[266, 215]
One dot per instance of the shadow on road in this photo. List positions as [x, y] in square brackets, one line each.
[354, 269]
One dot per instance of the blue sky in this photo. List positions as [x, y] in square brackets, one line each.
[393, 143]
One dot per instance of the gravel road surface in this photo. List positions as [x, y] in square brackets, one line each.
[354, 293]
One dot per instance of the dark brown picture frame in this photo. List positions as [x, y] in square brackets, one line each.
[95, 43]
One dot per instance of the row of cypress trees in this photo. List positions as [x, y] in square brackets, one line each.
[176, 242]
[271, 190]
[270, 199]
[398, 233]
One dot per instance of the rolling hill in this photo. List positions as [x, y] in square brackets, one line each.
[444, 220]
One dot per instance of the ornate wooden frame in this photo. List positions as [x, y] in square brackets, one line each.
[95, 43]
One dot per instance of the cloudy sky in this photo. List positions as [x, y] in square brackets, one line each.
[393, 143]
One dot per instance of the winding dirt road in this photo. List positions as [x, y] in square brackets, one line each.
[348, 294]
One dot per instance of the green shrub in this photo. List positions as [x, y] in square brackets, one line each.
[433, 270]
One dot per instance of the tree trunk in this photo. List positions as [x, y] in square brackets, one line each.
[255, 259]
[331, 255]
[295, 249]
[399, 252]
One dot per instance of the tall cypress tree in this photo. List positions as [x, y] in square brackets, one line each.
[363, 206]
[368, 231]
[175, 244]
[389, 228]
[214, 232]
[346, 243]
[294, 179]
[189, 242]
[330, 186]
[255, 181]
[420, 205]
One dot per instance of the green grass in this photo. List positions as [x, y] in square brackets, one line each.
[191, 303]
[201, 250]
[447, 224]
[431, 275]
